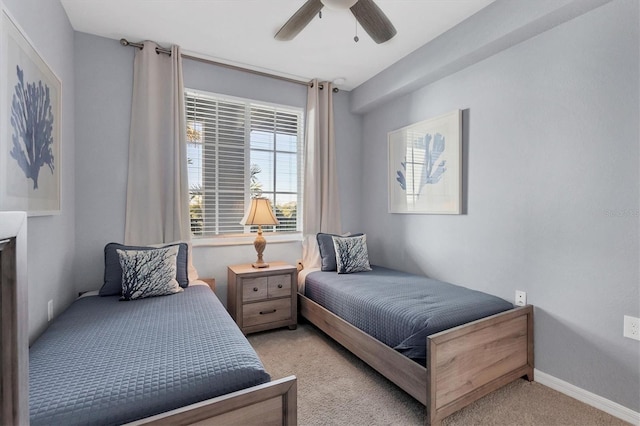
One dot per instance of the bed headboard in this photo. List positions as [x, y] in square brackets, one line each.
[14, 339]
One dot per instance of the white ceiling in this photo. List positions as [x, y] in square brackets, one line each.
[240, 32]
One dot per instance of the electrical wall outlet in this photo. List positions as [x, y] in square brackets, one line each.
[521, 298]
[631, 327]
[49, 310]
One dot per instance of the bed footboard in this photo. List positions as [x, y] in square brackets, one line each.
[467, 362]
[464, 363]
[407, 374]
[273, 403]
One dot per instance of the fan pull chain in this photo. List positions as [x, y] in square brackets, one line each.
[320, 14]
[356, 38]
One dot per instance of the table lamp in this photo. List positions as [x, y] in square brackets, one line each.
[259, 213]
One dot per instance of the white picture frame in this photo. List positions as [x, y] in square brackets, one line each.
[30, 119]
[425, 170]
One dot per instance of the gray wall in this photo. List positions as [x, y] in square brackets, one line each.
[104, 83]
[551, 142]
[51, 238]
[104, 71]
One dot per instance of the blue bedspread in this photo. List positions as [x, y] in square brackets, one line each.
[103, 361]
[400, 309]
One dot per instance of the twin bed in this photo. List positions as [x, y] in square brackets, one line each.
[176, 359]
[445, 345]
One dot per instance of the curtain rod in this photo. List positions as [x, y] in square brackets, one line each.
[125, 42]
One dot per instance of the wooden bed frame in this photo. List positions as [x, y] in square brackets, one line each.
[14, 320]
[273, 403]
[464, 363]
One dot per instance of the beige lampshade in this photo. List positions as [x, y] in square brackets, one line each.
[259, 213]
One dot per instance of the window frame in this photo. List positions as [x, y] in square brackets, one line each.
[248, 236]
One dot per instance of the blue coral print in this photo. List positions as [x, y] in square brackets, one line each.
[32, 121]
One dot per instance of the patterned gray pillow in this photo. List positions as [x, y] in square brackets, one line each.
[148, 273]
[351, 254]
[328, 251]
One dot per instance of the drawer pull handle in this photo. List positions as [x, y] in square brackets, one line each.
[279, 285]
[268, 312]
[255, 289]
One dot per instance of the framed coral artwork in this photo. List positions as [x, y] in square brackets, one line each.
[425, 173]
[30, 121]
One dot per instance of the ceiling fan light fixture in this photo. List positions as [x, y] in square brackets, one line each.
[370, 17]
[339, 4]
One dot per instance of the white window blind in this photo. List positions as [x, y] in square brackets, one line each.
[237, 149]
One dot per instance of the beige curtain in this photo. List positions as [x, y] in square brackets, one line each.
[157, 187]
[321, 209]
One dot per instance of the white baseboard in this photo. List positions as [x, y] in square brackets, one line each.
[587, 397]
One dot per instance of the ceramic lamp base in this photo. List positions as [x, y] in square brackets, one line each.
[260, 244]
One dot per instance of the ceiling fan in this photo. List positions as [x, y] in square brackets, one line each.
[367, 13]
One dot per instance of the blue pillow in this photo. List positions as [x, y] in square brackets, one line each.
[328, 251]
[113, 271]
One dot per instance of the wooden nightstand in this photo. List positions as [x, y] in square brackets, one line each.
[211, 282]
[262, 299]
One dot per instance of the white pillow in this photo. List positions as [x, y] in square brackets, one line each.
[310, 252]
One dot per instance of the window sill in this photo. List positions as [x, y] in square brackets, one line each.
[245, 239]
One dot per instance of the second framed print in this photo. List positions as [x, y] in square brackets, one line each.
[425, 172]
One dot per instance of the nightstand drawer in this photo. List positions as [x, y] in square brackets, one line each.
[254, 289]
[266, 312]
[279, 286]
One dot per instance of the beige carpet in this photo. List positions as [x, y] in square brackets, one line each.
[336, 388]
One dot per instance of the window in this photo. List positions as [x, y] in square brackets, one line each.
[238, 149]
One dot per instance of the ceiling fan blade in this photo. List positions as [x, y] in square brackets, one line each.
[373, 20]
[299, 20]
